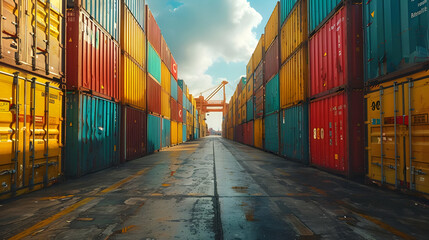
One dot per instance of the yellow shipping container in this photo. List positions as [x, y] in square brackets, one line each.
[272, 27]
[249, 89]
[259, 52]
[249, 69]
[243, 98]
[294, 79]
[180, 133]
[399, 147]
[38, 132]
[165, 104]
[131, 37]
[258, 130]
[243, 114]
[133, 84]
[173, 133]
[294, 31]
[165, 78]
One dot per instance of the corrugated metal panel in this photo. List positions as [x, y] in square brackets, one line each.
[174, 138]
[165, 104]
[174, 68]
[174, 110]
[259, 103]
[179, 95]
[272, 27]
[294, 79]
[133, 84]
[396, 36]
[153, 63]
[153, 133]
[286, 7]
[248, 133]
[173, 88]
[165, 53]
[184, 115]
[318, 10]
[179, 133]
[106, 13]
[184, 132]
[259, 76]
[272, 96]
[133, 134]
[133, 38]
[294, 31]
[249, 110]
[92, 134]
[92, 57]
[336, 55]
[166, 133]
[258, 128]
[243, 114]
[271, 61]
[271, 131]
[153, 96]
[249, 89]
[165, 78]
[294, 133]
[249, 68]
[137, 8]
[337, 135]
[153, 31]
[258, 54]
[179, 113]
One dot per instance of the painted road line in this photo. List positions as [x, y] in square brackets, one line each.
[299, 226]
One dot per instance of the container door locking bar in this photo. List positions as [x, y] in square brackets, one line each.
[46, 178]
[33, 119]
[381, 136]
[16, 131]
[410, 111]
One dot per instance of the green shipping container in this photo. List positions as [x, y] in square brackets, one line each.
[286, 7]
[318, 10]
[166, 133]
[153, 133]
[272, 96]
[92, 139]
[294, 133]
[396, 35]
[249, 110]
[184, 132]
[153, 63]
[271, 125]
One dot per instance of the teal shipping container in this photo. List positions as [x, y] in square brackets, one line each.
[166, 133]
[180, 84]
[319, 10]
[294, 133]
[137, 8]
[271, 125]
[184, 132]
[153, 63]
[105, 12]
[173, 88]
[93, 131]
[272, 96]
[396, 36]
[286, 7]
[185, 115]
[249, 110]
[153, 133]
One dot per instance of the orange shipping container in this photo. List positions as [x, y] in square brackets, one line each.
[133, 83]
[258, 130]
[249, 69]
[165, 78]
[132, 37]
[272, 27]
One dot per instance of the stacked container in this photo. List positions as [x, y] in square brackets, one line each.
[336, 83]
[396, 63]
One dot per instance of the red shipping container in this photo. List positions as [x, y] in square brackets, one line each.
[173, 67]
[153, 95]
[259, 103]
[133, 134]
[174, 110]
[259, 76]
[238, 135]
[153, 31]
[165, 53]
[179, 112]
[93, 57]
[248, 133]
[336, 57]
[271, 61]
[179, 95]
[337, 133]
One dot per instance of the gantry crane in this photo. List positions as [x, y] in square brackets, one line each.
[207, 105]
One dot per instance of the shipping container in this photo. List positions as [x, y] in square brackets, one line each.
[174, 70]
[336, 52]
[318, 11]
[271, 131]
[133, 38]
[173, 88]
[153, 63]
[258, 54]
[259, 103]
[294, 133]
[174, 137]
[294, 79]
[184, 132]
[153, 96]
[181, 84]
[165, 104]
[258, 128]
[249, 89]
[397, 117]
[154, 132]
[272, 96]
[153, 32]
[238, 133]
[271, 63]
[165, 53]
[249, 110]
[337, 134]
[184, 115]
[243, 113]
[105, 12]
[133, 84]
[165, 78]
[93, 134]
[396, 37]
[248, 133]
[179, 133]
[258, 76]
[249, 68]
[133, 134]
[93, 57]
[166, 133]
[294, 31]
[174, 110]
[179, 95]
[179, 113]
[272, 27]
[286, 7]
[137, 8]
[36, 100]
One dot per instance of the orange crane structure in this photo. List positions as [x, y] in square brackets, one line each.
[206, 105]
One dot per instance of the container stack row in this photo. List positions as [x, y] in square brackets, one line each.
[89, 85]
[343, 90]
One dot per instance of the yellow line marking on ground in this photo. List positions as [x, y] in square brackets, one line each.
[156, 194]
[85, 219]
[56, 197]
[73, 207]
[299, 226]
[166, 185]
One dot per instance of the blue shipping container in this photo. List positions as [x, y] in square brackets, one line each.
[180, 83]
[396, 35]
[286, 7]
[166, 133]
[153, 63]
[294, 133]
[271, 125]
[137, 8]
[184, 133]
[272, 96]
[173, 88]
[153, 133]
[249, 110]
[318, 10]
[92, 134]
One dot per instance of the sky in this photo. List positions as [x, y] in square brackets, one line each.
[212, 40]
